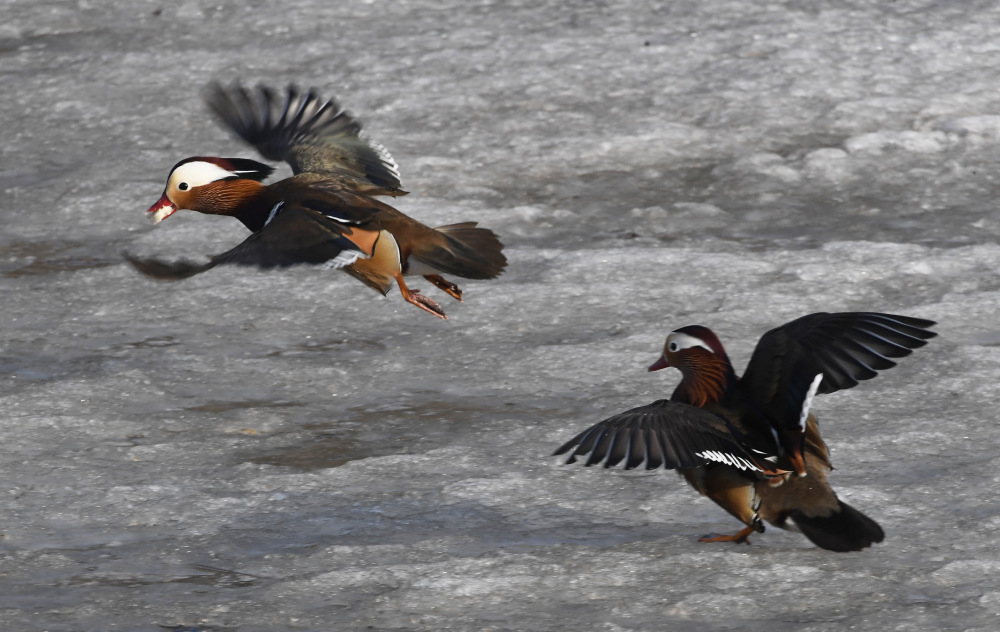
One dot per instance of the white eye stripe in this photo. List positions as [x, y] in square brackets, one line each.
[198, 173]
[678, 341]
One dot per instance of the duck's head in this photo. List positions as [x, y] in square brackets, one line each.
[209, 185]
[685, 346]
[697, 353]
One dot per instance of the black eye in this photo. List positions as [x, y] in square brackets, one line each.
[183, 186]
[673, 346]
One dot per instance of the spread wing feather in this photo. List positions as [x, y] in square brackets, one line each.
[311, 134]
[295, 235]
[846, 348]
[662, 434]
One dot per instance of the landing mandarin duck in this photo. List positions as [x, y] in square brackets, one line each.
[751, 443]
[326, 213]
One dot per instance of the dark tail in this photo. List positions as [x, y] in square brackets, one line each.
[471, 253]
[846, 529]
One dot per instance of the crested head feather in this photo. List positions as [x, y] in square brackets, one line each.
[242, 168]
[706, 336]
[212, 185]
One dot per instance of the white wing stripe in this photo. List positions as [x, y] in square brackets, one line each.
[343, 259]
[382, 153]
[728, 459]
[807, 402]
[274, 212]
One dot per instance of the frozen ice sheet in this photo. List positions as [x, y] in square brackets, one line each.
[252, 451]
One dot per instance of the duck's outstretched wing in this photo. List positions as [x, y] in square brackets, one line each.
[295, 235]
[310, 133]
[662, 434]
[824, 353]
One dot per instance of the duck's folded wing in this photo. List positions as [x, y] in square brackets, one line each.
[310, 133]
[824, 353]
[295, 235]
[340, 203]
[663, 434]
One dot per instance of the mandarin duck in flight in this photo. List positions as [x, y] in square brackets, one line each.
[751, 443]
[326, 213]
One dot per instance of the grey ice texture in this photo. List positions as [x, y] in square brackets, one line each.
[248, 451]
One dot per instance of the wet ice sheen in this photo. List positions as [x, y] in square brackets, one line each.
[289, 451]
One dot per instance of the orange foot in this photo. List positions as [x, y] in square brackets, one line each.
[418, 299]
[742, 536]
[426, 304]
[445, 285]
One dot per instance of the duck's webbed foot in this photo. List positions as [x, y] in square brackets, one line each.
[418, 299]
[445, 286]
[742, 536]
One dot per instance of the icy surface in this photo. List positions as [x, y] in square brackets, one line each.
[251, 451]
